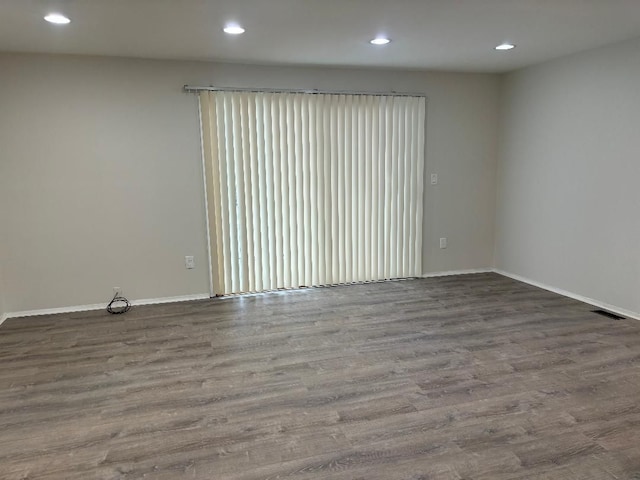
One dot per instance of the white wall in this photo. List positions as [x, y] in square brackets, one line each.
[3, 303]
[3, 310]
[569, 175]
[101, 183]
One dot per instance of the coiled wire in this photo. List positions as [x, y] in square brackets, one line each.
[118, 305]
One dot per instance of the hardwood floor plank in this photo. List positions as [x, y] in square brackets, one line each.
[452, 378]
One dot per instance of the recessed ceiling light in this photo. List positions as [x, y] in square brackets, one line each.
[57, 18]
[505, 46]
[233, 29]
[379, 41]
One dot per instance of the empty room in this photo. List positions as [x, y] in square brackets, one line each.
[337, 239]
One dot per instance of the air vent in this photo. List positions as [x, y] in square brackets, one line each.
[604, 313]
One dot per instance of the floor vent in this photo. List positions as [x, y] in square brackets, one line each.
[604, 313]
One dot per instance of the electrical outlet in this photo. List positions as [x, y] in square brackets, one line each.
[189, 262]
[443, 242]
[434, 179]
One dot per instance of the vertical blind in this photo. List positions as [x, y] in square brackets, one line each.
[312, 189]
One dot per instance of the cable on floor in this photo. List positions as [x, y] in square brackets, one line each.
[118, 305]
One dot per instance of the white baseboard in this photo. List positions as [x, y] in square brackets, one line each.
[103, 306]
[575, 296]
[181, 298]
[457, 272]
[202, 296]
[53, 311]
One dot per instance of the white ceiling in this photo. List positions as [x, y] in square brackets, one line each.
[457, 35]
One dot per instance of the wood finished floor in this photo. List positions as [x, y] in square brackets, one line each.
[469, 377]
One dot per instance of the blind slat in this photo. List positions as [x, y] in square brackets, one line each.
[312, 189]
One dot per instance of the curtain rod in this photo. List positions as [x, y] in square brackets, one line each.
[195, 89]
